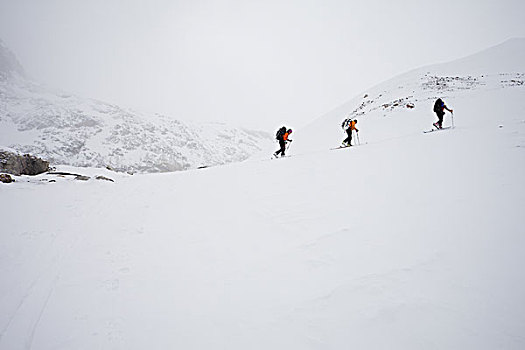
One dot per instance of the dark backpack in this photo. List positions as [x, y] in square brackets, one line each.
[438, 106]
[346, 122]
[280, 133]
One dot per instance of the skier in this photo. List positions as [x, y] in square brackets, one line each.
[348, 125]
[282, 136]
[439, 109]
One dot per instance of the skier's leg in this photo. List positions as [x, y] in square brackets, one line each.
[348, 137]
[436, 124]
[283, 147]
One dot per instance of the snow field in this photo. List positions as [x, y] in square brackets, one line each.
[411, 241]
[416, 239]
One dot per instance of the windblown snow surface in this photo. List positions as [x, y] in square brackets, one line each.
[409, 241]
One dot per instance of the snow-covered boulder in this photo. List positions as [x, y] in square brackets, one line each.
[22, 164]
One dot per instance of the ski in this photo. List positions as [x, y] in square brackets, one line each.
[340, 147]
[432, 130]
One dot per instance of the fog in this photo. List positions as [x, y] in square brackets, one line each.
[258, 64]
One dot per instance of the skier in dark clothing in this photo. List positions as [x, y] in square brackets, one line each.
[349, 125]
[439, 109]
[282, 137]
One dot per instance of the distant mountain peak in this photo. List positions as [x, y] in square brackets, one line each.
[505, 57]
[9, 64]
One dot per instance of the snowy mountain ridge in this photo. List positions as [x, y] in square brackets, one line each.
[410, 96]
[66, 129]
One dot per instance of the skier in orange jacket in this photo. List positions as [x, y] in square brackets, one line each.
[349, 125]
[282, 137]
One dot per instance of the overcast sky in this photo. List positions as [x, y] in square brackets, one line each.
[254, 63]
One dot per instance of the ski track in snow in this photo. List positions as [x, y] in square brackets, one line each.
[27, 294]
[42, 310]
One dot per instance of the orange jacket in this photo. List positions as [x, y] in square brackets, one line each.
[352, 124]
[285, 136]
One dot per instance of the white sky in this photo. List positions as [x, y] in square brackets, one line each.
[254, 63]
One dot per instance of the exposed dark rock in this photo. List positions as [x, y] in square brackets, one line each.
[26, 164]
[100, 177]
[64, 174]
[6, 178]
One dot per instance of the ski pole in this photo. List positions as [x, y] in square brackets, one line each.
[358, 141]
[452, 115]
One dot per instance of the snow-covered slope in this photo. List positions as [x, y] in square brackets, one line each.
[412, 241]
[66, 129]
[403, 105]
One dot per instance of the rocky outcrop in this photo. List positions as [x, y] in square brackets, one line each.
[26, 164]
[6, 178]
